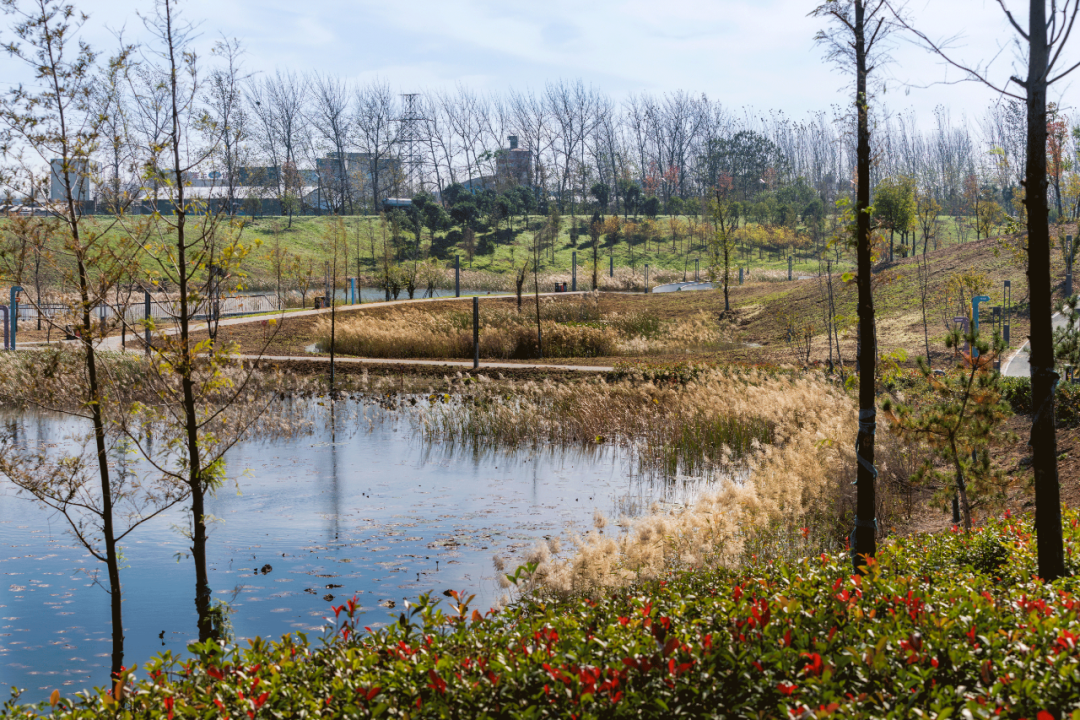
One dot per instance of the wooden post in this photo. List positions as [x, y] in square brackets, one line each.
[476, 332]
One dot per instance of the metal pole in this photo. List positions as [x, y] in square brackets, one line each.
[476, 332]
[611, 273]
[573, 276]
[146, 319]
[998, 321]
[789, 268]
[1006, 330]
[15, 290]
[457, 276]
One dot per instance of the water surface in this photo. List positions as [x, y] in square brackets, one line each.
[369, 510]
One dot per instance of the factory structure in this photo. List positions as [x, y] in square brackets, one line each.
[513, 166]
[339, 183]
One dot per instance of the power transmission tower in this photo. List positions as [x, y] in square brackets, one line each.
[410, 137]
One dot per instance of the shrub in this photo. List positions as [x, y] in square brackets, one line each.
[918, 635]
[1017, 392]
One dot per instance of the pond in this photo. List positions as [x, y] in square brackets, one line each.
[370, 510]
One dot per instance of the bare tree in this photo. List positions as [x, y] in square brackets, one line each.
[279, 107]
[376, 111]
[228, 117]
[331, 117]
[111, 96]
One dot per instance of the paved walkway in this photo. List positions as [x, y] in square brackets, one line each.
[1019, 365]
[113, 343]
[484, 364]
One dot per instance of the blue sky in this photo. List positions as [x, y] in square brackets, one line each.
[756, 53]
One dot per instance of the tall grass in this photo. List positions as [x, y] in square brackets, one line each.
[570, 328]
[777, 447]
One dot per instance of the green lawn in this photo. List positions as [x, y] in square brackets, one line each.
[497, 251]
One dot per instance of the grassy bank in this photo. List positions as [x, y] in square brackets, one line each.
[770, 322]
[669, 245]
[942, 626]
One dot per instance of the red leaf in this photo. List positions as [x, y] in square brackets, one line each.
[786, 688]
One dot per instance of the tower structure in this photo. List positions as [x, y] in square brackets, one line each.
[410, 138]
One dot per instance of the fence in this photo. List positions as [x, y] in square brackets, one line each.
[163, 310]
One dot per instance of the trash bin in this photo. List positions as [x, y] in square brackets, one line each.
[319, 302]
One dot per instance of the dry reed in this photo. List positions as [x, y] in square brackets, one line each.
[779, 445]
[570, 328]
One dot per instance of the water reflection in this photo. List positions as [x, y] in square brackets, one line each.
[362, 506]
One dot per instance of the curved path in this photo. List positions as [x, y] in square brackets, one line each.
[113, 343]
[1019, 365]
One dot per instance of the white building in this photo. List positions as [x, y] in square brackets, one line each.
[78, 176]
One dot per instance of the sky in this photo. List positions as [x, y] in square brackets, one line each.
[744, 53]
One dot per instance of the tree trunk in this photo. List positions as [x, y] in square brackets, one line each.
[727, 275]
[1043, 378]
[186, 366]
[865, 544]
[112, 559]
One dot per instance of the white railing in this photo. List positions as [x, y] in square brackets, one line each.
[161, 310]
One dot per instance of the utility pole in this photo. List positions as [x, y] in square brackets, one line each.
[410, 137]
